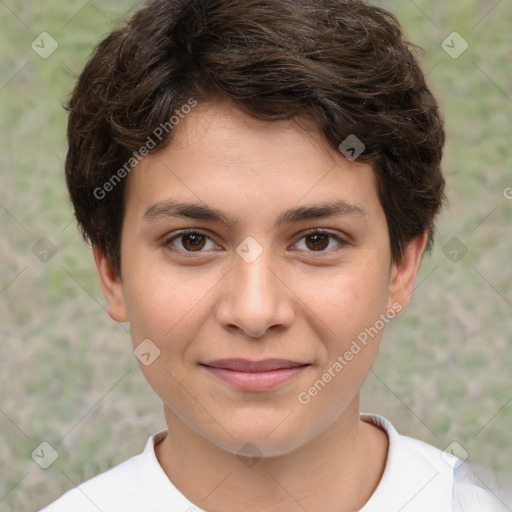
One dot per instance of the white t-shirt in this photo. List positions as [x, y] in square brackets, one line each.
[417, 478]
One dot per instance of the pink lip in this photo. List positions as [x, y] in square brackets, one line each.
[255, 375]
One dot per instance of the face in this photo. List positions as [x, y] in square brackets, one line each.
[254, 260]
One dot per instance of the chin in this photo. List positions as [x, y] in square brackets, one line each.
[259, 446]
[259, 434]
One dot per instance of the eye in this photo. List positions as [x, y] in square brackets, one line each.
[317, 240]
[190, 241]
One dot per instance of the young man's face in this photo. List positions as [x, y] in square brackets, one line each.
[250, 311]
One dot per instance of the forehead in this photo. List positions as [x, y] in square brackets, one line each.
[221, 157]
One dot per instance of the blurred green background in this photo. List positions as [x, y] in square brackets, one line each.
[67, 372]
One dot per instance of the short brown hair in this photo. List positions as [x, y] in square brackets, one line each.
[342, 63]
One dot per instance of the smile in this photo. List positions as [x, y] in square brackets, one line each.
[248, 375]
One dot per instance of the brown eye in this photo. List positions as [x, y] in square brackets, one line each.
[320, 241]
[190, 241]
[193, 241]
[317, 241]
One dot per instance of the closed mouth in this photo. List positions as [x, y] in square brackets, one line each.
[249, 366]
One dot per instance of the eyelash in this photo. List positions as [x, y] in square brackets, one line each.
[315, 231]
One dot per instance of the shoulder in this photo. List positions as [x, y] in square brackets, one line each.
[415, 479]
[138, 483]
[419, 477]
[101, 490]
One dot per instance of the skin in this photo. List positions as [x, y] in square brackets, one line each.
[304, 299]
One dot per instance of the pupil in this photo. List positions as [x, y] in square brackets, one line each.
[319, 242]
[193, 242]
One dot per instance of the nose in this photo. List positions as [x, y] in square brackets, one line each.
[255, 298]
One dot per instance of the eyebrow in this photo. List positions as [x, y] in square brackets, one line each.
[171, 208]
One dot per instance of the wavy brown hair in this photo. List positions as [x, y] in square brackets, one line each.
[342, 63]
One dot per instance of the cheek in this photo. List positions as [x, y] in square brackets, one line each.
[348, 300]
[160, 302]
[164, 319]
[169, 308]
[349, 324]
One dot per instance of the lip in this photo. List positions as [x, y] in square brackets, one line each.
[247, 375]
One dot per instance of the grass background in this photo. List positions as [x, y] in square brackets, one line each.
[67, 373]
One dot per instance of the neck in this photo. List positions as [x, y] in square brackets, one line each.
[337, 471]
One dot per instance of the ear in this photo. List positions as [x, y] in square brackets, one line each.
[404, 272]
[111, 285]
